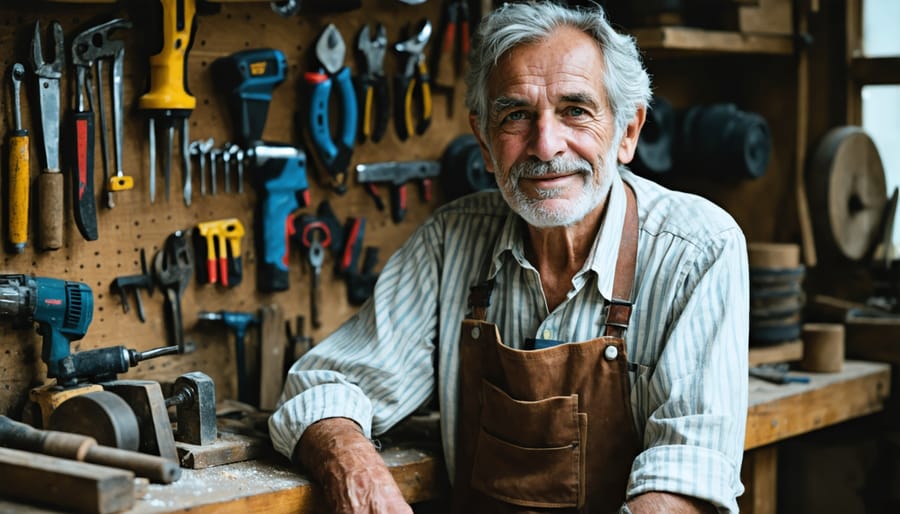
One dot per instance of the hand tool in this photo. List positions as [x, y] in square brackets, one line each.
[95, 45]
[219, 242]
[50, 181]
[194, 399]
[172, 268]
[360, 278]
[90, 46]
[373, 88]
[239, 156]
[333, 155]
[169, 99]
[286, 8]
[82, 142]
[279, 169]
[120, 286]
[298, 342]
[237, 322]
[450, 58]
[214, 155]
[226, 165]
[232, 150]
[397, 174]
[413, 82]
[315, 236]
[14, 434]
[19, 169]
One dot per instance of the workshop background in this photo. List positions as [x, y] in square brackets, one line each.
[773, 68]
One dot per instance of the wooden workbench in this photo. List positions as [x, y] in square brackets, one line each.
[776, 412]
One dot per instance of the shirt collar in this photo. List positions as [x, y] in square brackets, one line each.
[604, 252]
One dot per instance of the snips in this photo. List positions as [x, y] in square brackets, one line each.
[412, 86]
[373, 90]
[333, 154]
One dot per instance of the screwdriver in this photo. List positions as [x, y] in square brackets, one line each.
[168, 98]
[19, 169]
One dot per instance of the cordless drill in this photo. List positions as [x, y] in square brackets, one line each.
[63, 311]
[249, 77]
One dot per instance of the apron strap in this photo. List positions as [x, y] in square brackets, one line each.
[618, 312]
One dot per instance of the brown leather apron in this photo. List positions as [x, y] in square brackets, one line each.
[547, 430]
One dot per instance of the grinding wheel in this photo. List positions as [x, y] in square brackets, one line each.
[102, 415]
[847, 192]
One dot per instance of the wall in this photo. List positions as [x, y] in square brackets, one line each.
[135, 224]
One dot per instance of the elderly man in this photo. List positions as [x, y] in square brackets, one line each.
[512, 307]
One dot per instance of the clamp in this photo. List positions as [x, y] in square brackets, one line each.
[220, 242]
[334, 155]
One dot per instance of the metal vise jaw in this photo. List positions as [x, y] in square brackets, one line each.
[194, 398]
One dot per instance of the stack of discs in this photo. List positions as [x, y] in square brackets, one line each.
[776, 293]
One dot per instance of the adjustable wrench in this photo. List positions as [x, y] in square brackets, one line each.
[50, 182]
[173, 267]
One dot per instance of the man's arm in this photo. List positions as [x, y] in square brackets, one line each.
[353, 476]
[667, 503]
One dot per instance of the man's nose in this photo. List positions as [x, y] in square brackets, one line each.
[548, 138]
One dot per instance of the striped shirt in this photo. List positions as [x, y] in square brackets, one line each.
[688, 332]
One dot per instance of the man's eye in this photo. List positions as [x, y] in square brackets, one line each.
[515, 116]
[577, 111]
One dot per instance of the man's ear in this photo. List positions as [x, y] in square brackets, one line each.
[630, 137]
[485, 153]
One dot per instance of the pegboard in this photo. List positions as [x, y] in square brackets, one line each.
[136, 224]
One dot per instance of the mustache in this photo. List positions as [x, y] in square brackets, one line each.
[558, 165]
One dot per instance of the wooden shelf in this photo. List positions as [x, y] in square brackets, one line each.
[703, 41]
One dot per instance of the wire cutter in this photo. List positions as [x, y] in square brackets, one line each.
[334, 155]
[413, 82]
[373, 90]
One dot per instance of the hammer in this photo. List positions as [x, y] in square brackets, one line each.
[237, 322]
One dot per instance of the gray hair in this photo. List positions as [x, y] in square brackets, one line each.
[627, 82]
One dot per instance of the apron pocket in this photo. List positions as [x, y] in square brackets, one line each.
[530, 453]
[528, 477]
[551, 422]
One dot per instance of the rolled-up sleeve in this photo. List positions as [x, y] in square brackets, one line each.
[378, 367]
[697, 393]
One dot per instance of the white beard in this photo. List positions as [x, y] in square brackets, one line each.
[539, 213]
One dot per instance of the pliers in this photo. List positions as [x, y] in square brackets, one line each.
[413, 82]
[334, 155]
[450, 58]
[373, 90]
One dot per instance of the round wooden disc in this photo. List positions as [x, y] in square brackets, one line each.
[99, 414]
[848, 191]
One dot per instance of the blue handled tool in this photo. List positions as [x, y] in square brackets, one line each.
[250, 76]
[334, 155]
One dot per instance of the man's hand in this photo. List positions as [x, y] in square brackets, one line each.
[353, 476]
[659, 503]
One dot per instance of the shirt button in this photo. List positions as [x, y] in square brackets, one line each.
[611, 352]
[546, 334]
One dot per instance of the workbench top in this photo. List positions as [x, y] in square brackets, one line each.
[272, 486]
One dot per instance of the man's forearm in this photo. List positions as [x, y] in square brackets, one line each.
[658, 503]
[353, 476]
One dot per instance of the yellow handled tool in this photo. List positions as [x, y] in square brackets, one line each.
[220, 240]
[19, 170]
[168, 97]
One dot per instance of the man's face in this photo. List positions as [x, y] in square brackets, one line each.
[550, 131]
